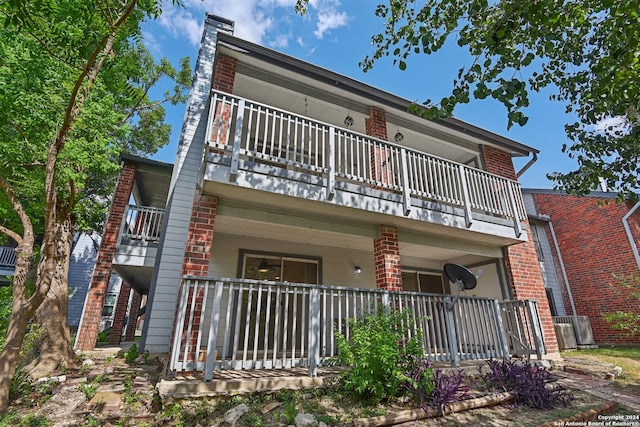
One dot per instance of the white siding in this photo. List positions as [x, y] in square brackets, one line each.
[81, 264]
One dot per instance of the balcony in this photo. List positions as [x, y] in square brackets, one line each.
[239, 324]
[256, 146]
[7, 262]
[138, 244]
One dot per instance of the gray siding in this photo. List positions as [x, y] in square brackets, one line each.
[166, 279]
[82, 262]
[547, 266]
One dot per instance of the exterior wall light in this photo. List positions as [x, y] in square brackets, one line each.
[357, 270]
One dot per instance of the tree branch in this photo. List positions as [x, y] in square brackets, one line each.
[17, 208]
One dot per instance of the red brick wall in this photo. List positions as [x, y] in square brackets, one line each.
[224, 74]
[100, 280]
[120, 313]
[521, 259]
[223, 79]
[595, 250]
[498, 162]
[196, 259]
[136, 301]
[376, 123]
[387, 259]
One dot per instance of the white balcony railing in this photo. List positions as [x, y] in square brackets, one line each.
[141, 223]
[7, 257]
[251, 130]
[248, 324]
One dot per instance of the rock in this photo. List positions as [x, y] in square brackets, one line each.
[270, 407]
[232, 416]
[88, 363]
[55, 379]
[322, 424]
[62, 405]
[306, 420]
[615, 373]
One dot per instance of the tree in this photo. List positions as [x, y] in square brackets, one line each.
[72, 96]
[586, 49]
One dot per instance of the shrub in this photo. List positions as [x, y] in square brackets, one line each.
[379, 353]
[435, 388]
[131, 355]
[527, 382]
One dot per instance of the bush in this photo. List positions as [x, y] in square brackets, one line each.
[434, 388]
[379, 354]
[527, 382]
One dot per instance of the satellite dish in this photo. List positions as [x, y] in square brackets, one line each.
[460, 276]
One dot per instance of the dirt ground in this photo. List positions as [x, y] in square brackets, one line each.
[114, 393]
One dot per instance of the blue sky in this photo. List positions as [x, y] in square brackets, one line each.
[337, 35]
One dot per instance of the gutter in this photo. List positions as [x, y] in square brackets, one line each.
[564, 271]
[627, 229]
[528, 165]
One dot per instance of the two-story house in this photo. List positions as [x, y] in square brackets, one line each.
[300, 198]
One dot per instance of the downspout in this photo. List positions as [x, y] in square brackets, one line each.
[564, 271]
[625, 223]
[528, 165]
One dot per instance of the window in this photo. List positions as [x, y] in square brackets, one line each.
[552, 303]
[109, 304]
[281, 269]
[417, 281]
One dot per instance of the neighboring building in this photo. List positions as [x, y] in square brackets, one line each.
[311, 197]
[7, 264]
[588, 246]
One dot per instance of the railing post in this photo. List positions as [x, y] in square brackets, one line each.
[450, 323]
[331, 170]
[514, 209]
[532, 310]
[179, 326]
[465, 196]
[502, 333]
[237, 139]
[125, 217]
[213, 330]
[406, 190]
[314, 331]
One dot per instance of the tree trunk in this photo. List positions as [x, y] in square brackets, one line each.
[54, 344]
[21, 312]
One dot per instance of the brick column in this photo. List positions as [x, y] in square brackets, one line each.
[381, 166]
[120, 313]
[196, 259]
[387, 259]
[90, 322]
[521, 259]
[132, 325]
[223, 79]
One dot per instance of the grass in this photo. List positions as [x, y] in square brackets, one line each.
[627, 358]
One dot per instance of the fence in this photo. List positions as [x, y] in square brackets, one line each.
[142, 223]
[251, 130]
[247, 324]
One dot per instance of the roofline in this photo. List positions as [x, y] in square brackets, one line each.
[144, 161]
[600, 194]
[368, 91]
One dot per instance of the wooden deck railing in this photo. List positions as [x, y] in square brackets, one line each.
[7, 257]
[227, 323]
[245, 129]
[142, 223]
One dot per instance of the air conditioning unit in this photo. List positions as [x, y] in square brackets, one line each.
[565, 335]
[581, 328]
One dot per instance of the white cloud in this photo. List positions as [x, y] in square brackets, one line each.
[255, 20]
[612, 124]
[329, 20]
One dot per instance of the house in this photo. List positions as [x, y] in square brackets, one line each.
[587, 246]
[300, 198]
[7, 264]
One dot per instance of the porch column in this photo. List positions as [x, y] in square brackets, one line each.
[92, 313]
[132, 325]
[120, 313]
[196, 260]
[376, 126]
[387, 259]
[223, 79]
[521, 259]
